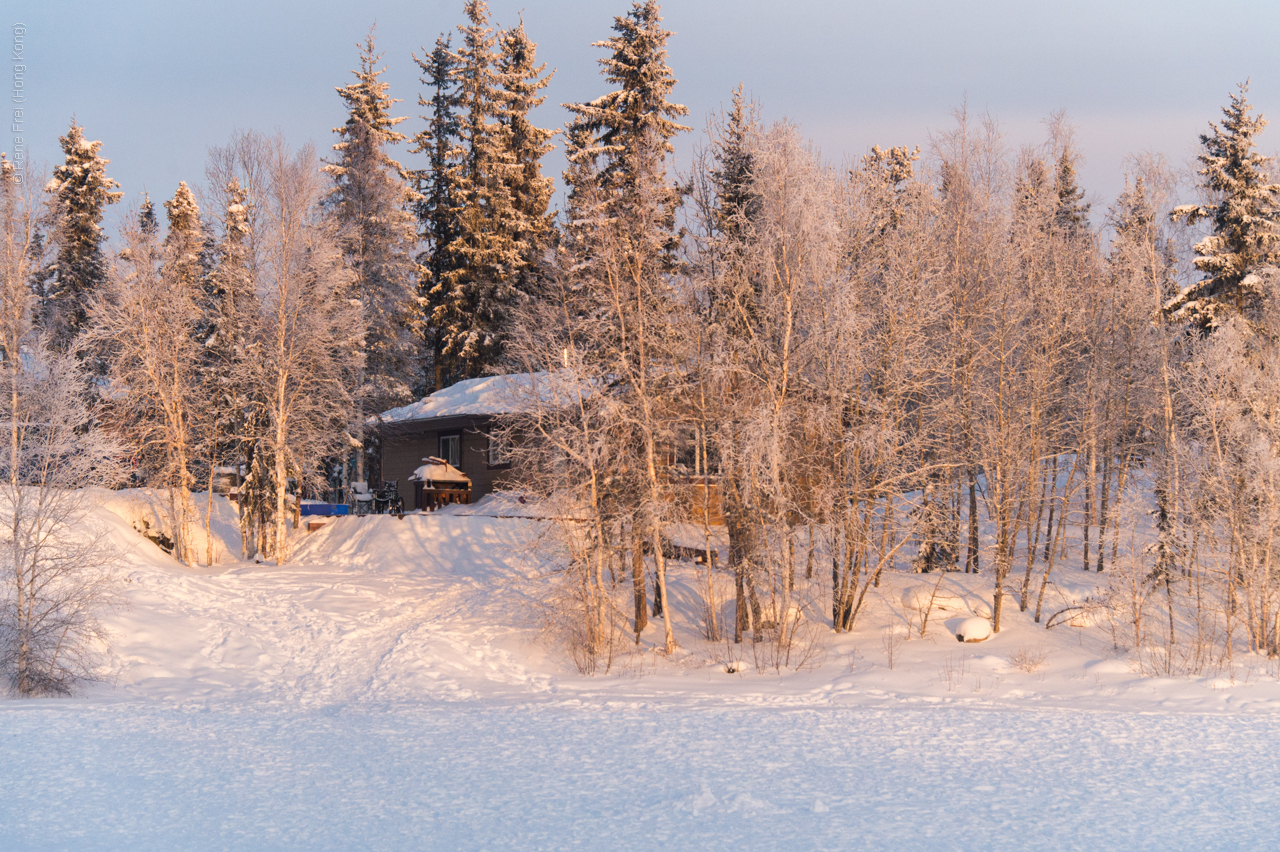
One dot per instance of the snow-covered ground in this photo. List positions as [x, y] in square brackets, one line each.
[392, 688]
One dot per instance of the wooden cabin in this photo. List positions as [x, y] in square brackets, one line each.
[453, 425]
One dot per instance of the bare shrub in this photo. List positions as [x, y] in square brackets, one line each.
[574, 619]
[1029, 659]
[954, 668]
[56, 572]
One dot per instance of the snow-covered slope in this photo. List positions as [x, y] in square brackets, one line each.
[393, 688]
[449, 606]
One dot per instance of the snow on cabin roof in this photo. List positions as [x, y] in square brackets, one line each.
[488, 395]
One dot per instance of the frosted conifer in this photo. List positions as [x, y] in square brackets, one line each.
[732, 177]
[81, 190]
[147, 221]
[184, 243]
[372, 201]
[1243, 218]
[521, 80]
[1071, 215]
[437, 193]
[634, 124]
[473, 298]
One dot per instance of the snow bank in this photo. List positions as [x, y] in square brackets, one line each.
[920, 598]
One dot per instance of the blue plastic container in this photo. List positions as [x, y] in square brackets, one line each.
[327, 509]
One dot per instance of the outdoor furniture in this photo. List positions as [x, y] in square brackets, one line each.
[438, 483]
[361, 498]
[387, 500]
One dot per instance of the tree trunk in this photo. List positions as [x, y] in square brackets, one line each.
[641, 617]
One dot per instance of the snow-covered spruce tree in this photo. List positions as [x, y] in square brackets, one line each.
[475, 296]
[1071, 213]
[521, 79]
[484, 212]
[185, 242]
[1243, 213]
[147, 221]
[634, 124]
[80, 191]
[437, 198]
[148, 324]
[55, 568]
[372, 201]
[620, 142]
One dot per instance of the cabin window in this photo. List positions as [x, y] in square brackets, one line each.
[498, 453]
[451, 449]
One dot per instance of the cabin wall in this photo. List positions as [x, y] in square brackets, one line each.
[404, 448]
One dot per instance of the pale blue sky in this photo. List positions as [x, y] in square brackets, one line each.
[160, 81]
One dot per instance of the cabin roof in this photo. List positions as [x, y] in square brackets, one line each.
[484, 397]
[489, 395]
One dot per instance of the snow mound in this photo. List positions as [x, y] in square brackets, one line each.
[917, 599]
[973, 630]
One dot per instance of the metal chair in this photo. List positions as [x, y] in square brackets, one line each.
[387, 500]
[362, 499]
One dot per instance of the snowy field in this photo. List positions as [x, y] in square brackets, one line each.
[540, 776]
[391, 689]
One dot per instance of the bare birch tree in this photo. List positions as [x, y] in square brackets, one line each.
[299, 327]
[56, 568]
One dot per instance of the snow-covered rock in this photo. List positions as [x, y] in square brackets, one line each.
[973, 630]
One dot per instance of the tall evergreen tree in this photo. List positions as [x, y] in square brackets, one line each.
[475, 295]
[81, 190]
[733, 176]
[634, 124]
[238, 422]
[437, 196]
[372, 200]
[484, 211]
[1071, 215]
[1244, 217]
[618, 146]
[147, 221]
[521, 79]
[184, 243]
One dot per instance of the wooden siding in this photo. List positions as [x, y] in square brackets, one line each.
[405, 445]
